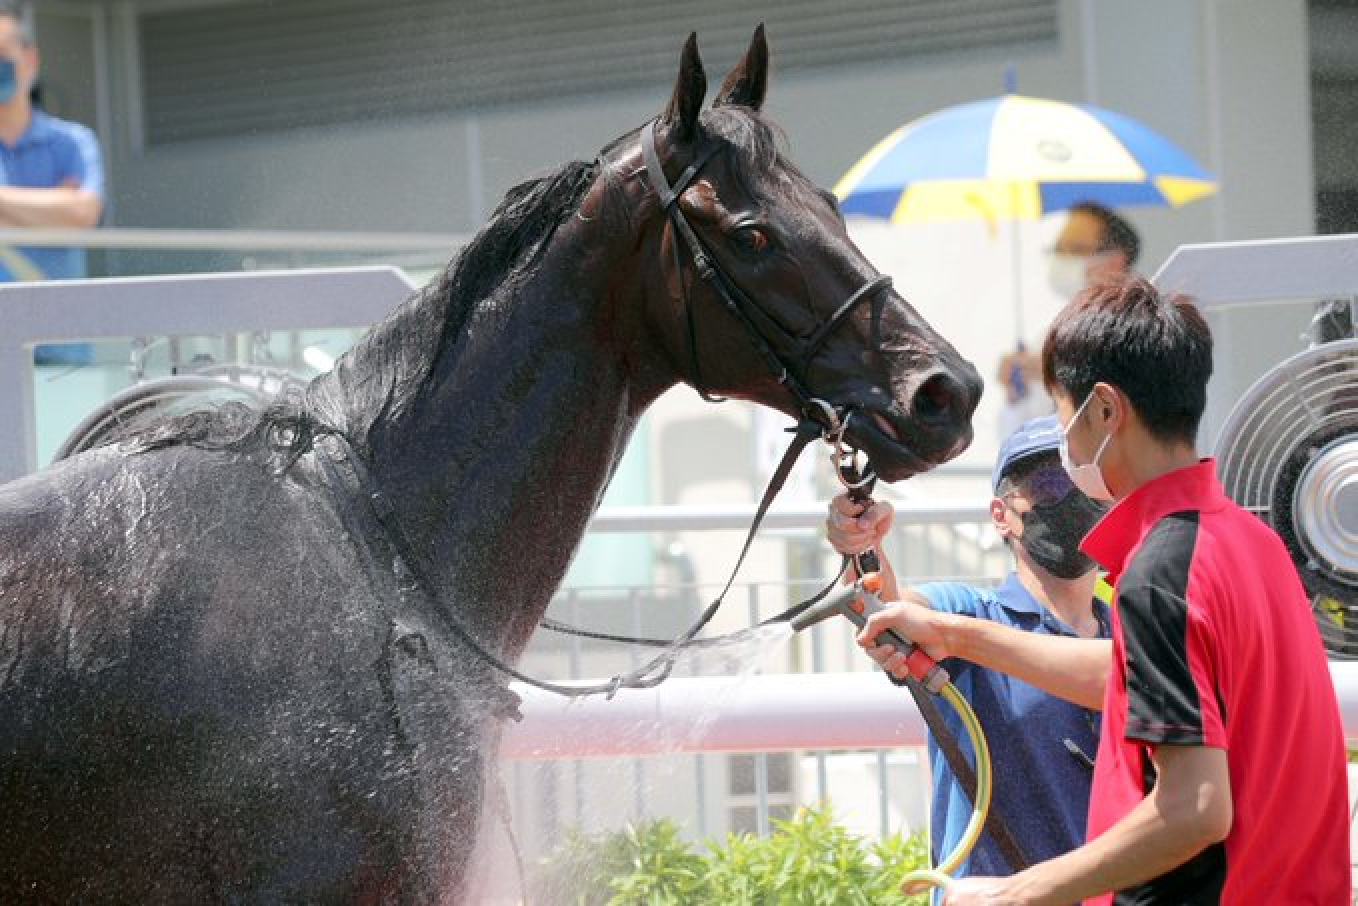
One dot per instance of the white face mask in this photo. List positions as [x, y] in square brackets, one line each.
[1068, 274]
[1086, 477]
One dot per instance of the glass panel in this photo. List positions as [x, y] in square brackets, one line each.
[740, 775]
[72, 381]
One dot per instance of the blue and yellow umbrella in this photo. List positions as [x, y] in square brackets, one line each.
[1018, 158]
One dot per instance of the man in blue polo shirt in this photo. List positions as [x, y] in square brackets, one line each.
[51, 174]
[1043, 747]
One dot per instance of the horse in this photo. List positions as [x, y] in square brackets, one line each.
[217, 682]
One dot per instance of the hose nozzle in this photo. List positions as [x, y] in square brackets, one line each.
[837, 604]
[857, 603]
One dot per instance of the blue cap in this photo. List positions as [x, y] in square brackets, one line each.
[1038, 435]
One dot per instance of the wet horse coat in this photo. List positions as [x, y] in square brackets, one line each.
[213, 684]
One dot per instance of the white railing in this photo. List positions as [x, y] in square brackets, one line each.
[160, 240]
[65, 310]
[762, 713]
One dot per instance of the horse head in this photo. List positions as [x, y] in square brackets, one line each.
[754, 289]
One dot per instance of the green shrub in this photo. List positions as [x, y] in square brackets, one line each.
[807, 861]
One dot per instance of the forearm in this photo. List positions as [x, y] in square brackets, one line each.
[1073, 669]
[1162, 832]
[56, 207]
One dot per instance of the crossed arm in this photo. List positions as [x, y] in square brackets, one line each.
[59, 206]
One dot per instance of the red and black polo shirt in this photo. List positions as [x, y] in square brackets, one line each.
[1214, 644]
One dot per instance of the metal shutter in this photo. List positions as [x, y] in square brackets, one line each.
[268, 65]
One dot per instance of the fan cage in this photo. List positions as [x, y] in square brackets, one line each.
[1301, 412]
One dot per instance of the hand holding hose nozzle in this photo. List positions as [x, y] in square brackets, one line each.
[858, 602]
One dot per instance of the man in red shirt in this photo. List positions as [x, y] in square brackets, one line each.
[1220, 776]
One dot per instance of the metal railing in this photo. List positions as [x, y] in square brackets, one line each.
[565, 768]
[147, 239]
[123, 251]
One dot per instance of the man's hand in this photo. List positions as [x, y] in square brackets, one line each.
[851, 530]
[913, 619]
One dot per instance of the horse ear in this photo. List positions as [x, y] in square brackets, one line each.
[747, 83]
[689, 90]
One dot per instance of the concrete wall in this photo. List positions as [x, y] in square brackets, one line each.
[1227, 80]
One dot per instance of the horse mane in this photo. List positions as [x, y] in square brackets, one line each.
[384, 370]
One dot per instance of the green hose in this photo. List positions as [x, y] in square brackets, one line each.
[941, 875]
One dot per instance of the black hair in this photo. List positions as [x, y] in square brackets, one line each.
[1118, 234]
[1156, 351]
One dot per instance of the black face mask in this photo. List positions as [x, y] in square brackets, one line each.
[1052, 534]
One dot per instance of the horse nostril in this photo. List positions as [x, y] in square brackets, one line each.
[937, 399]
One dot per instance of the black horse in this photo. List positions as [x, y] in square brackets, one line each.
[217, 686]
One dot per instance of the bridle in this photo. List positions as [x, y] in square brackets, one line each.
[792, 375]
[820, 419]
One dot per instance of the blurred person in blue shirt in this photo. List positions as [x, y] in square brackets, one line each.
[1042, 746]
[51, 172]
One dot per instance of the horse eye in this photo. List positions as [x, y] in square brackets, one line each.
[752, 240]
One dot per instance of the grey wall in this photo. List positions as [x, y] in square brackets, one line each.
[1227, 79]
[423, 175]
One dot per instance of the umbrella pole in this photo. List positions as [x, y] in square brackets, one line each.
[1016, 263]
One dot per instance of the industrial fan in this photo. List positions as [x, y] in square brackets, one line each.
[1289, 453]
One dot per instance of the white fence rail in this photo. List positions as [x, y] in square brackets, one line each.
[161, 240]
[770, 713]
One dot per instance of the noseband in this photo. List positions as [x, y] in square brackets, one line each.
[741, 306]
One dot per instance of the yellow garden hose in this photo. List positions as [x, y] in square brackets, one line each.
[941, 874]
[859, 602]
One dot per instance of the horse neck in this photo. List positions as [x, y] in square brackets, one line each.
[497, 461]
